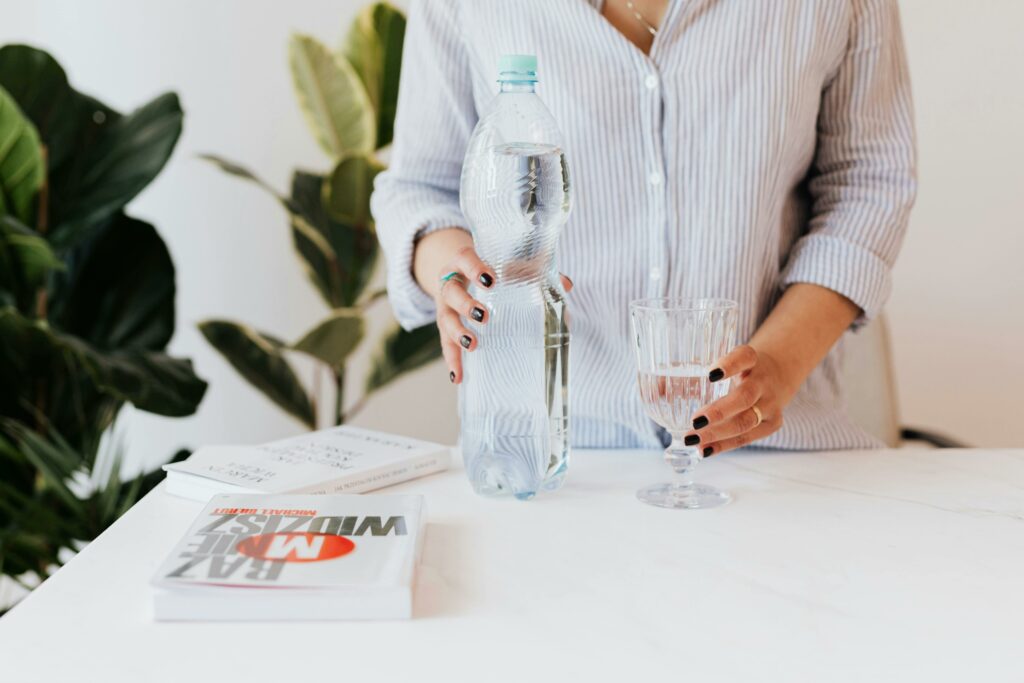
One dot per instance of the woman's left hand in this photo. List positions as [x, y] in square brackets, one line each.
[750, 411]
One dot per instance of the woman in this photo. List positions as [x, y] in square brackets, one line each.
[762, 152]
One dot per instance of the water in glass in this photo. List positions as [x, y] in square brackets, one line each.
[677, 342]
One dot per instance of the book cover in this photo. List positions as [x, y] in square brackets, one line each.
[337, 542]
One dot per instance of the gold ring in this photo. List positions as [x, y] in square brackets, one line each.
[760, 417]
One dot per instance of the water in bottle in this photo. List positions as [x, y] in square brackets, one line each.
[515, 195]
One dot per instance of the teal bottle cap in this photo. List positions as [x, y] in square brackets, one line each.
[523, 67]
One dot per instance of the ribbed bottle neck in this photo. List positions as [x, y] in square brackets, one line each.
[516, 86]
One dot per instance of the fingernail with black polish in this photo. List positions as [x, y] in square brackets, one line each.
[477, 314]
[451, 377]
[691, 440]
[465, 341]
[700, 422]
[708, 452]
[716, 374]
[486, 280]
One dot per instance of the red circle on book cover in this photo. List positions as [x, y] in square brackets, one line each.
[295, 547]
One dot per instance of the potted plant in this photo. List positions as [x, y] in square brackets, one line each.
[349, 98]
[86, 307]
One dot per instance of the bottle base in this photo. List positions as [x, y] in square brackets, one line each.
[519, 466]
[496, 479]
[496, 482]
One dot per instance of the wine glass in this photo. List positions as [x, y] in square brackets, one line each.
[677, 341]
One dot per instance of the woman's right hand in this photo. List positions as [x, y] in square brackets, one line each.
[437, 255]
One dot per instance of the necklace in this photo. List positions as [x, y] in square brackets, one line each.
[651, 28]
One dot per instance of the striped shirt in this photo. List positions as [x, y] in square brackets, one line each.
[759, 144]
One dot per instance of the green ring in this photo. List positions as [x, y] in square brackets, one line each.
[449, 276]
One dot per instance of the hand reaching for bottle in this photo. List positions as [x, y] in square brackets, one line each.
[444, 263]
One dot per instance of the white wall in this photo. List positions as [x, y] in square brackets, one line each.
[957, 312]
[958, 305]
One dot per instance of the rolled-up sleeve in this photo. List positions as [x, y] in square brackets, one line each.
[419, 192]
[864, 181]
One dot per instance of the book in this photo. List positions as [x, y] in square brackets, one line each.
[262, 557]
[337, 460]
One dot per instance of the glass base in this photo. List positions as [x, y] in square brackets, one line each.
[693, 497]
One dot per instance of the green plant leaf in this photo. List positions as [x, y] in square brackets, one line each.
[373, 47]
[401, 352]
[35, 516]
[33, 523]
[258, 358]
[55, 461]
[25, 257]
[320, 250]
[332, 97]
[125, 157]
[98, 160]
[152, 381]
[118, 290]
[346, 192]
[106, 495]
[363, 50]
[239, 171]
[333, 339]
[343, 278]
[311, 233]
[338, 259]
[21, 161]
[39, 85]
[44, 381]
[113, 302]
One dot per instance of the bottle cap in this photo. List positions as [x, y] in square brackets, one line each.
[517, 68]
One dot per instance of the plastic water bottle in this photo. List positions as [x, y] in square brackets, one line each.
[515, 194]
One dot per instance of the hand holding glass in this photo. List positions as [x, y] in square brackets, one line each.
[677, 341]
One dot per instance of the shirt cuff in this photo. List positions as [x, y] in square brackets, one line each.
[411, 305]
[844, 267]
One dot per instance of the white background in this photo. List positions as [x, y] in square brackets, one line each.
[957, 311]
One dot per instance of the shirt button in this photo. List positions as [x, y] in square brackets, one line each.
[651, 82]
[654, 178]
[655, 273]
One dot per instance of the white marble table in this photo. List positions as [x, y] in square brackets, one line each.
[863, 566]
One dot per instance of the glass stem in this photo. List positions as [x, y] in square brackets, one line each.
[682, 459]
